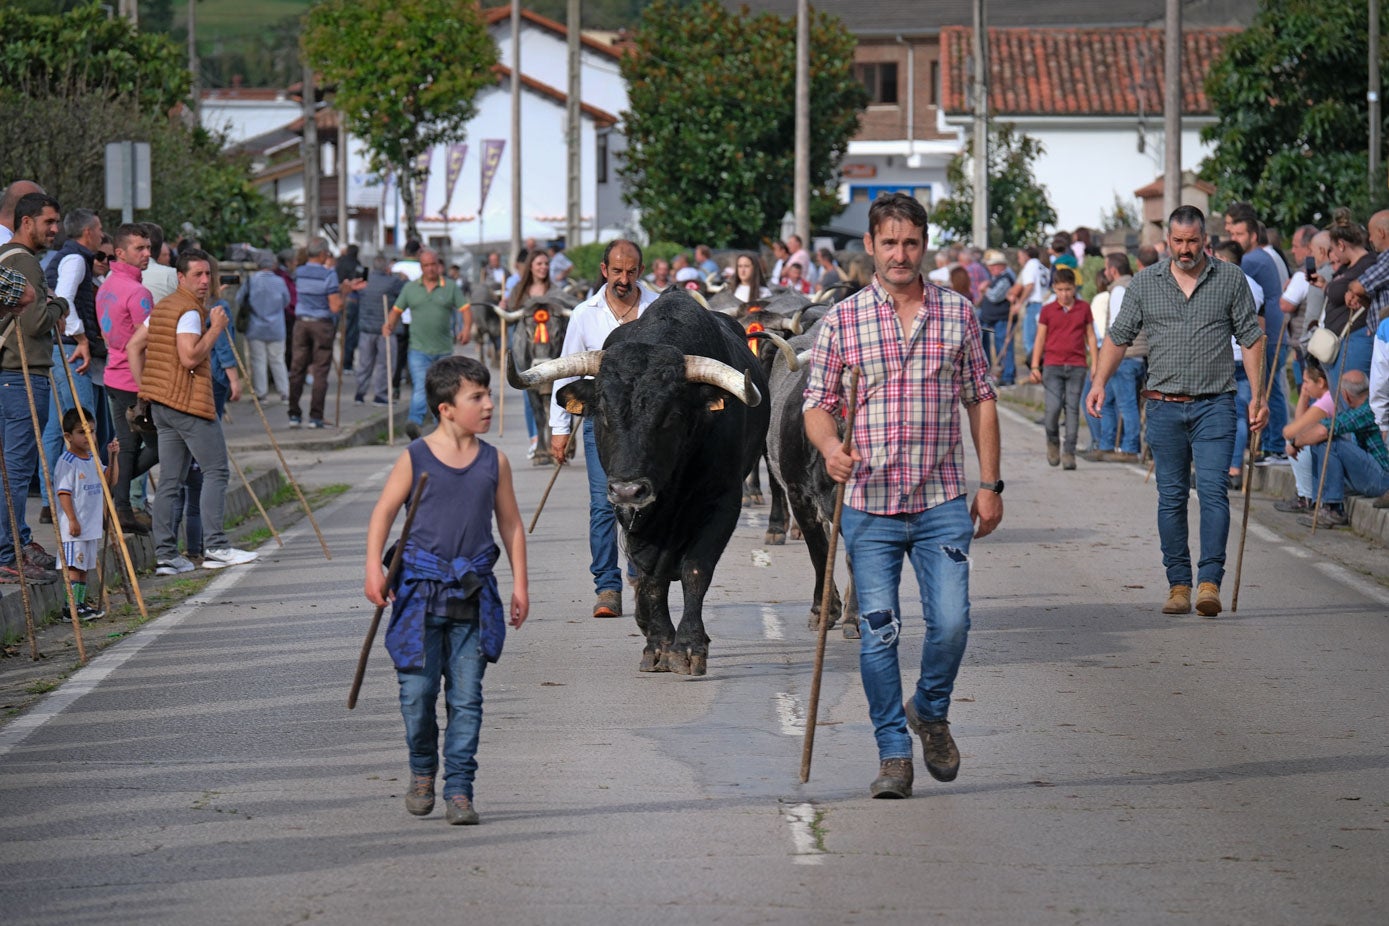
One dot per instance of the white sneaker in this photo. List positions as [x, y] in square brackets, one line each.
[172, 567]
[227, 556]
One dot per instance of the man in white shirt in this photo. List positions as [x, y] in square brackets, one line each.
[1028, 294]
[620, 300]
[159, 278]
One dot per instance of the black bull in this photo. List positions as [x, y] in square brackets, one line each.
[676, 405]
[538, 336]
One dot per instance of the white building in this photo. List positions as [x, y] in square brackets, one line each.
[268, 125]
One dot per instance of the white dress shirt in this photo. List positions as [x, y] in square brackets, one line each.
[589, 327]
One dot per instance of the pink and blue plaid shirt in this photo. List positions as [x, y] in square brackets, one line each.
[908, 422]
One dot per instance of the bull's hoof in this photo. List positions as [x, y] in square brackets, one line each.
[774, 538]
[851, 628]
[796, 532]
[652, 661]
[677, 661]
[699, 663]
[541, 459]
[812, 622]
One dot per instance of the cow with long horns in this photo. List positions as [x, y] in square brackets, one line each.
[676, 402]
[538, 336]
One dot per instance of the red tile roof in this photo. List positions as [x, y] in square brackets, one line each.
[1078, 72]
[501, 14]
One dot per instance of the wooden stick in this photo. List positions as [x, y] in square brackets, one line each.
[19, 559]
[391, 572]
[501, 401]
[1256, 442]
[270, 432]
[996, 368]
[105, 487]
[103, 600]
[813, 708]
[390, 384]
[259, 507]
[342, 359]
[553, 476]
[52, 496]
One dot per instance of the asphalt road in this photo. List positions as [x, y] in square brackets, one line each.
[1119, 766]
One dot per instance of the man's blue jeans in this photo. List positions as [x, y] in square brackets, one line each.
[1121, 404]
[1278, 410]
[419, 365]
[1243, 396]
[453, 654]
[53, 430]
[937, 543]
[1030, 314]
[996, 339]
[1351, 469]
[1180, 434]
[602, 521]
[21, 448]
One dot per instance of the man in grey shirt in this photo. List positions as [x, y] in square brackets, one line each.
[381, 292]
[1189, 306]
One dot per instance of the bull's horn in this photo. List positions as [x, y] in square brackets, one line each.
[585, 363]
[699, 297]
[510, 317]
[708, 370]
[792, 360]
[803, 357]
[796, 321]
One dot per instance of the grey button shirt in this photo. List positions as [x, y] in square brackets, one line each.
[1189, 349]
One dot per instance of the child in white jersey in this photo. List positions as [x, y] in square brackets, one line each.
[77, 479]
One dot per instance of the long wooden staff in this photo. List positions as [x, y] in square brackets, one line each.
[105, 489]
[1256, 441]
[996, 368]
[391, 572]
[52, 498]
[813, 708]
[1331, 432]
[390, 385]
[553, 476]
[270, 432]
[501, 394]
[259, 507]
[342, 360]
[19, 559]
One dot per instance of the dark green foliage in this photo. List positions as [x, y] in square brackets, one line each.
[1019, 210]
[1290, 96]
[711, 120]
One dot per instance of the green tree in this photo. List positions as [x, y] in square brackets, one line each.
[405, 75]
[1291, 131]
[1019, 209]
[711, 120]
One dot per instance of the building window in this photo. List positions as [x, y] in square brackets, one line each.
[880, 79]
[867, 192]
[935, 83]
[602, 157]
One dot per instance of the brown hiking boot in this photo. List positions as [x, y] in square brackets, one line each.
[609, 604]
[1208, 599]
[937, 745]
[1053, 454]
[419, 800]
[1068, 461]
[1178, 600]
[894, 779]
[130, 523]
[459, 810]
[1118, 456]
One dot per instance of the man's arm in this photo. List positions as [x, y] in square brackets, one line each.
[1253, 359]
[193, 349]
[987, 507]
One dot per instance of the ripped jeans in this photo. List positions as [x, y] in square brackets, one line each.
[937, 542]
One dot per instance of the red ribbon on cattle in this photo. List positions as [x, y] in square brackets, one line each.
[542, 331]
[753, 342]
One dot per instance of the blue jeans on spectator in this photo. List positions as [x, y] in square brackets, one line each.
[1030, 314]
[937, 543]
[189, 511]
[1121, 404]
[531, 430]
[1180, 434]
[996, 338]
[1356, 352]
[453, 654]
[1242, 399]
[1351, 469]
[1277, 398]
[419, 365]
[21, 449]
[602, 521]
[1093, 423]
[61, 404]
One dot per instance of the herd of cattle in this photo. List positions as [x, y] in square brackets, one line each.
[674, 396]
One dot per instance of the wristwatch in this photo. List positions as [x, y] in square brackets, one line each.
[995, 487]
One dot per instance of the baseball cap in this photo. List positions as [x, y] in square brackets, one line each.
[12, 285]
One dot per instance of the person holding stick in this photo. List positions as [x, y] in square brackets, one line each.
[922, 357]
[1189, 306]
[448, 621]
[77, 478]
[1355, 460]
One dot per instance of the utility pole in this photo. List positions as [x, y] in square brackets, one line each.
[981, 128]
[1172, 110]
[801, 190]
[515, 129]
[130, 9]
[341, 170]
[309, 153]
[574, 201]
[195, 91]
[1373, 97]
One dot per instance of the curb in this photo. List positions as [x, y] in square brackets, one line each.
[49, 598]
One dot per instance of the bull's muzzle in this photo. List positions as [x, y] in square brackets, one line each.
[637, 493]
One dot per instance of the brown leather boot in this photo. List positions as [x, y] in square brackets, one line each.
[894, 779]
[1208, 599]
[1178, 600]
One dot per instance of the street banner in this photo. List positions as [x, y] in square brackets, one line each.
[457, 154]
[491, 160]
[422, 169]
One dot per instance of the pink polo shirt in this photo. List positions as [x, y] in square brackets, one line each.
[122, 305]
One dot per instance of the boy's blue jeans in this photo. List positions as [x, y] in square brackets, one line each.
[453, 654]
[1183, 434]
[937, 543]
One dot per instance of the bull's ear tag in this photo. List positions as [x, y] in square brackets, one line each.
[715, 404]
[574, 406]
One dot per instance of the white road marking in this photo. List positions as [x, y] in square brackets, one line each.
[772, 627]
[801, 818]
[789, 714]
[1263, 533]
[1372, 590]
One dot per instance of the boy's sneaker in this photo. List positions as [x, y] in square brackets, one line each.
[40, 557]
[228, 556]
[88, 613]
[459, 811]
[419, 800]
[295, 421]
[173, 566]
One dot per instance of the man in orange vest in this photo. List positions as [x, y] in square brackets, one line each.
[177, 381]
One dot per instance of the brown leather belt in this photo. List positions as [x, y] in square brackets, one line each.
[1166, 397]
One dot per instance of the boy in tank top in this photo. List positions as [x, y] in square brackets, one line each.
[448, 621]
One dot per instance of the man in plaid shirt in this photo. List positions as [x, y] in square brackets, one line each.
[921, 357]
[1359, 461]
